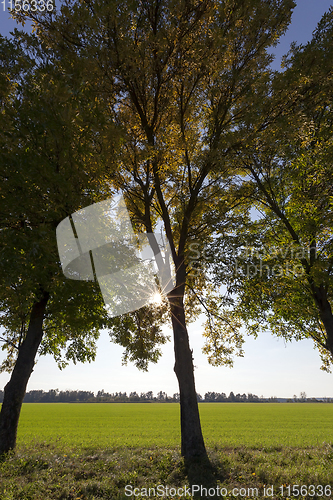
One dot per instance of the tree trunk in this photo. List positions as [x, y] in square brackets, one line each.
[192, 443]
[16, 387]
[325, 311]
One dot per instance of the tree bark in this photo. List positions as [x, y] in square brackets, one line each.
[325, 312]
[16, 387]
[192, 443]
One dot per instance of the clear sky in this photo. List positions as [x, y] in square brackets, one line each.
[269, 368]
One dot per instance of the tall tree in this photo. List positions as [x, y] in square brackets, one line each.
[46, 157]
[177, 77]
[283, 277]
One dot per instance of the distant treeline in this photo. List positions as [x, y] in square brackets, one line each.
[56, 396]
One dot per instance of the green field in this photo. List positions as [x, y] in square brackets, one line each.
[92, 451]
[145, 425]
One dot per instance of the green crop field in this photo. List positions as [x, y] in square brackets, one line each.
[92, 451]
[156, 424]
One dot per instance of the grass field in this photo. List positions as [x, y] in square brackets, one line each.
[92, 451]
[145, 425]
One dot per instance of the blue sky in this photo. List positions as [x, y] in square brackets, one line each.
[270, 367]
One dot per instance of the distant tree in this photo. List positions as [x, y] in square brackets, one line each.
[149, 395]
[221, 397]
[232, 397]
[33, 396]
[252, 398]
[161, 396]
[134, 396]
[303, 397]
[210, 396]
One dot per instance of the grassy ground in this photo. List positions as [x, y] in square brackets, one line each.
[157, 424]
[45, 472]
[75, 451]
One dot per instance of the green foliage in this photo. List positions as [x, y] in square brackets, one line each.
[277, 267]
[178, 78]
[203, 125]
[140, 333]
[49, 169]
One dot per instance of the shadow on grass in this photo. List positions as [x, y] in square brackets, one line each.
[204, 477]
[5, 456]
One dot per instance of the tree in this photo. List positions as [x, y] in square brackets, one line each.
[45, 150]
[283, 278]
[177, 77]
[303, 397]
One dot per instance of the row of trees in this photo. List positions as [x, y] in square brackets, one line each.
[56, 396]
[175, 105]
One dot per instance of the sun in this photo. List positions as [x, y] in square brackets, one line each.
[156, 299]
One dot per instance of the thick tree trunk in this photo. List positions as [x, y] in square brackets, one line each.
[327, 319]
[15, 389]
[192, 443]
[325, 311]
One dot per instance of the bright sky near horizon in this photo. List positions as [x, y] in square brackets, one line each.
[269, 368]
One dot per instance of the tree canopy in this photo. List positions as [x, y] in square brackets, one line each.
[44, 153]
[282, 258]
[178, 79]
[48, 169]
